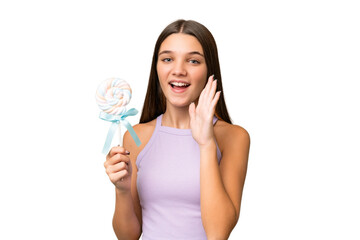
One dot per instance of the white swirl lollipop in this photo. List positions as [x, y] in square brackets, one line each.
[112, 95]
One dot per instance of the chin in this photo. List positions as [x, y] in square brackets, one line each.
[180, 104]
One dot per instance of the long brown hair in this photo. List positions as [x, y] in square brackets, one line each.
[155, 102]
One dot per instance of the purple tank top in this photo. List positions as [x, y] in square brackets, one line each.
[168, 184]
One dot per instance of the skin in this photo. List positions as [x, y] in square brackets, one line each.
[180, 58]
[220, 185]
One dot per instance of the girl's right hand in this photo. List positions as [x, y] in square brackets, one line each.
[118, 168]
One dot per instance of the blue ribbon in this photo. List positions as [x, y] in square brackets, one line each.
[115, 120]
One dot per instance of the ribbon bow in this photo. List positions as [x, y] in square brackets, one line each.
[115, 120]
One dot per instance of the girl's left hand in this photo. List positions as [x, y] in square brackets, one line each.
[201, 116]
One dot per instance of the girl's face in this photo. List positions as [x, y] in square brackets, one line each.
[181, 69]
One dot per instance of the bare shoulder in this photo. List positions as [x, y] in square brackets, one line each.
[230, 135]
[144, 132]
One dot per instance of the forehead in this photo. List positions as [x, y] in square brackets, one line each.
[180, 42]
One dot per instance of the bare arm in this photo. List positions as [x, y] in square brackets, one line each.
[127, 215]
[221, 186]
[125, 223]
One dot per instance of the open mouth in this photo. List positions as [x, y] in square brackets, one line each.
[178, 85]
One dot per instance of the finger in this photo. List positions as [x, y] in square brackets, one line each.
[117, 149]
[213, 89]
[115, 177]
[204, 92]
[119, 158]
[201, 97]
[208, 85]
[215, 100]
[117, 167]
[116, 159]
[192, 111]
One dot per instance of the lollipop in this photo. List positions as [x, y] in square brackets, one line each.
[112, 96]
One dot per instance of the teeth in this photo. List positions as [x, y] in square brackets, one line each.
[179, 84]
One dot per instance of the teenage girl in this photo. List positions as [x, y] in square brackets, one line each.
[186, 179]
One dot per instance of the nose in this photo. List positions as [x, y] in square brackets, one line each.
[179, 69]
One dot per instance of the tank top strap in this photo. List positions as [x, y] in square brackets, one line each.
[215, 119]
[158, 121]
[150, 142]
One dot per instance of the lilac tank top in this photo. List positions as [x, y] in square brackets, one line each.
[168, 184]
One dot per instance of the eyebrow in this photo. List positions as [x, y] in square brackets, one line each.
[190, 53]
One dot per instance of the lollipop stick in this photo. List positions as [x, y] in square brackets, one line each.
[120, 138]
[120, 143]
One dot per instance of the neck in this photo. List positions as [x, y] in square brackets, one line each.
[176, 117]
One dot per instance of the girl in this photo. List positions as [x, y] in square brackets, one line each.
[186, 179]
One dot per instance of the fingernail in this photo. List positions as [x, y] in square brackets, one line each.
[127, 152]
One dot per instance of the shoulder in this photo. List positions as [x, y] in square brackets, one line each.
[144, 132]
[230, 135]
[143, 129]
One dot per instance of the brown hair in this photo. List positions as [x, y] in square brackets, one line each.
[155, 102]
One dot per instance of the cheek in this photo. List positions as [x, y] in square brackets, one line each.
[201, 77]
[158, 69]
[162, 71]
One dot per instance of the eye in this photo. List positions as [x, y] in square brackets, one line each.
[194, 61]
[166, 60]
